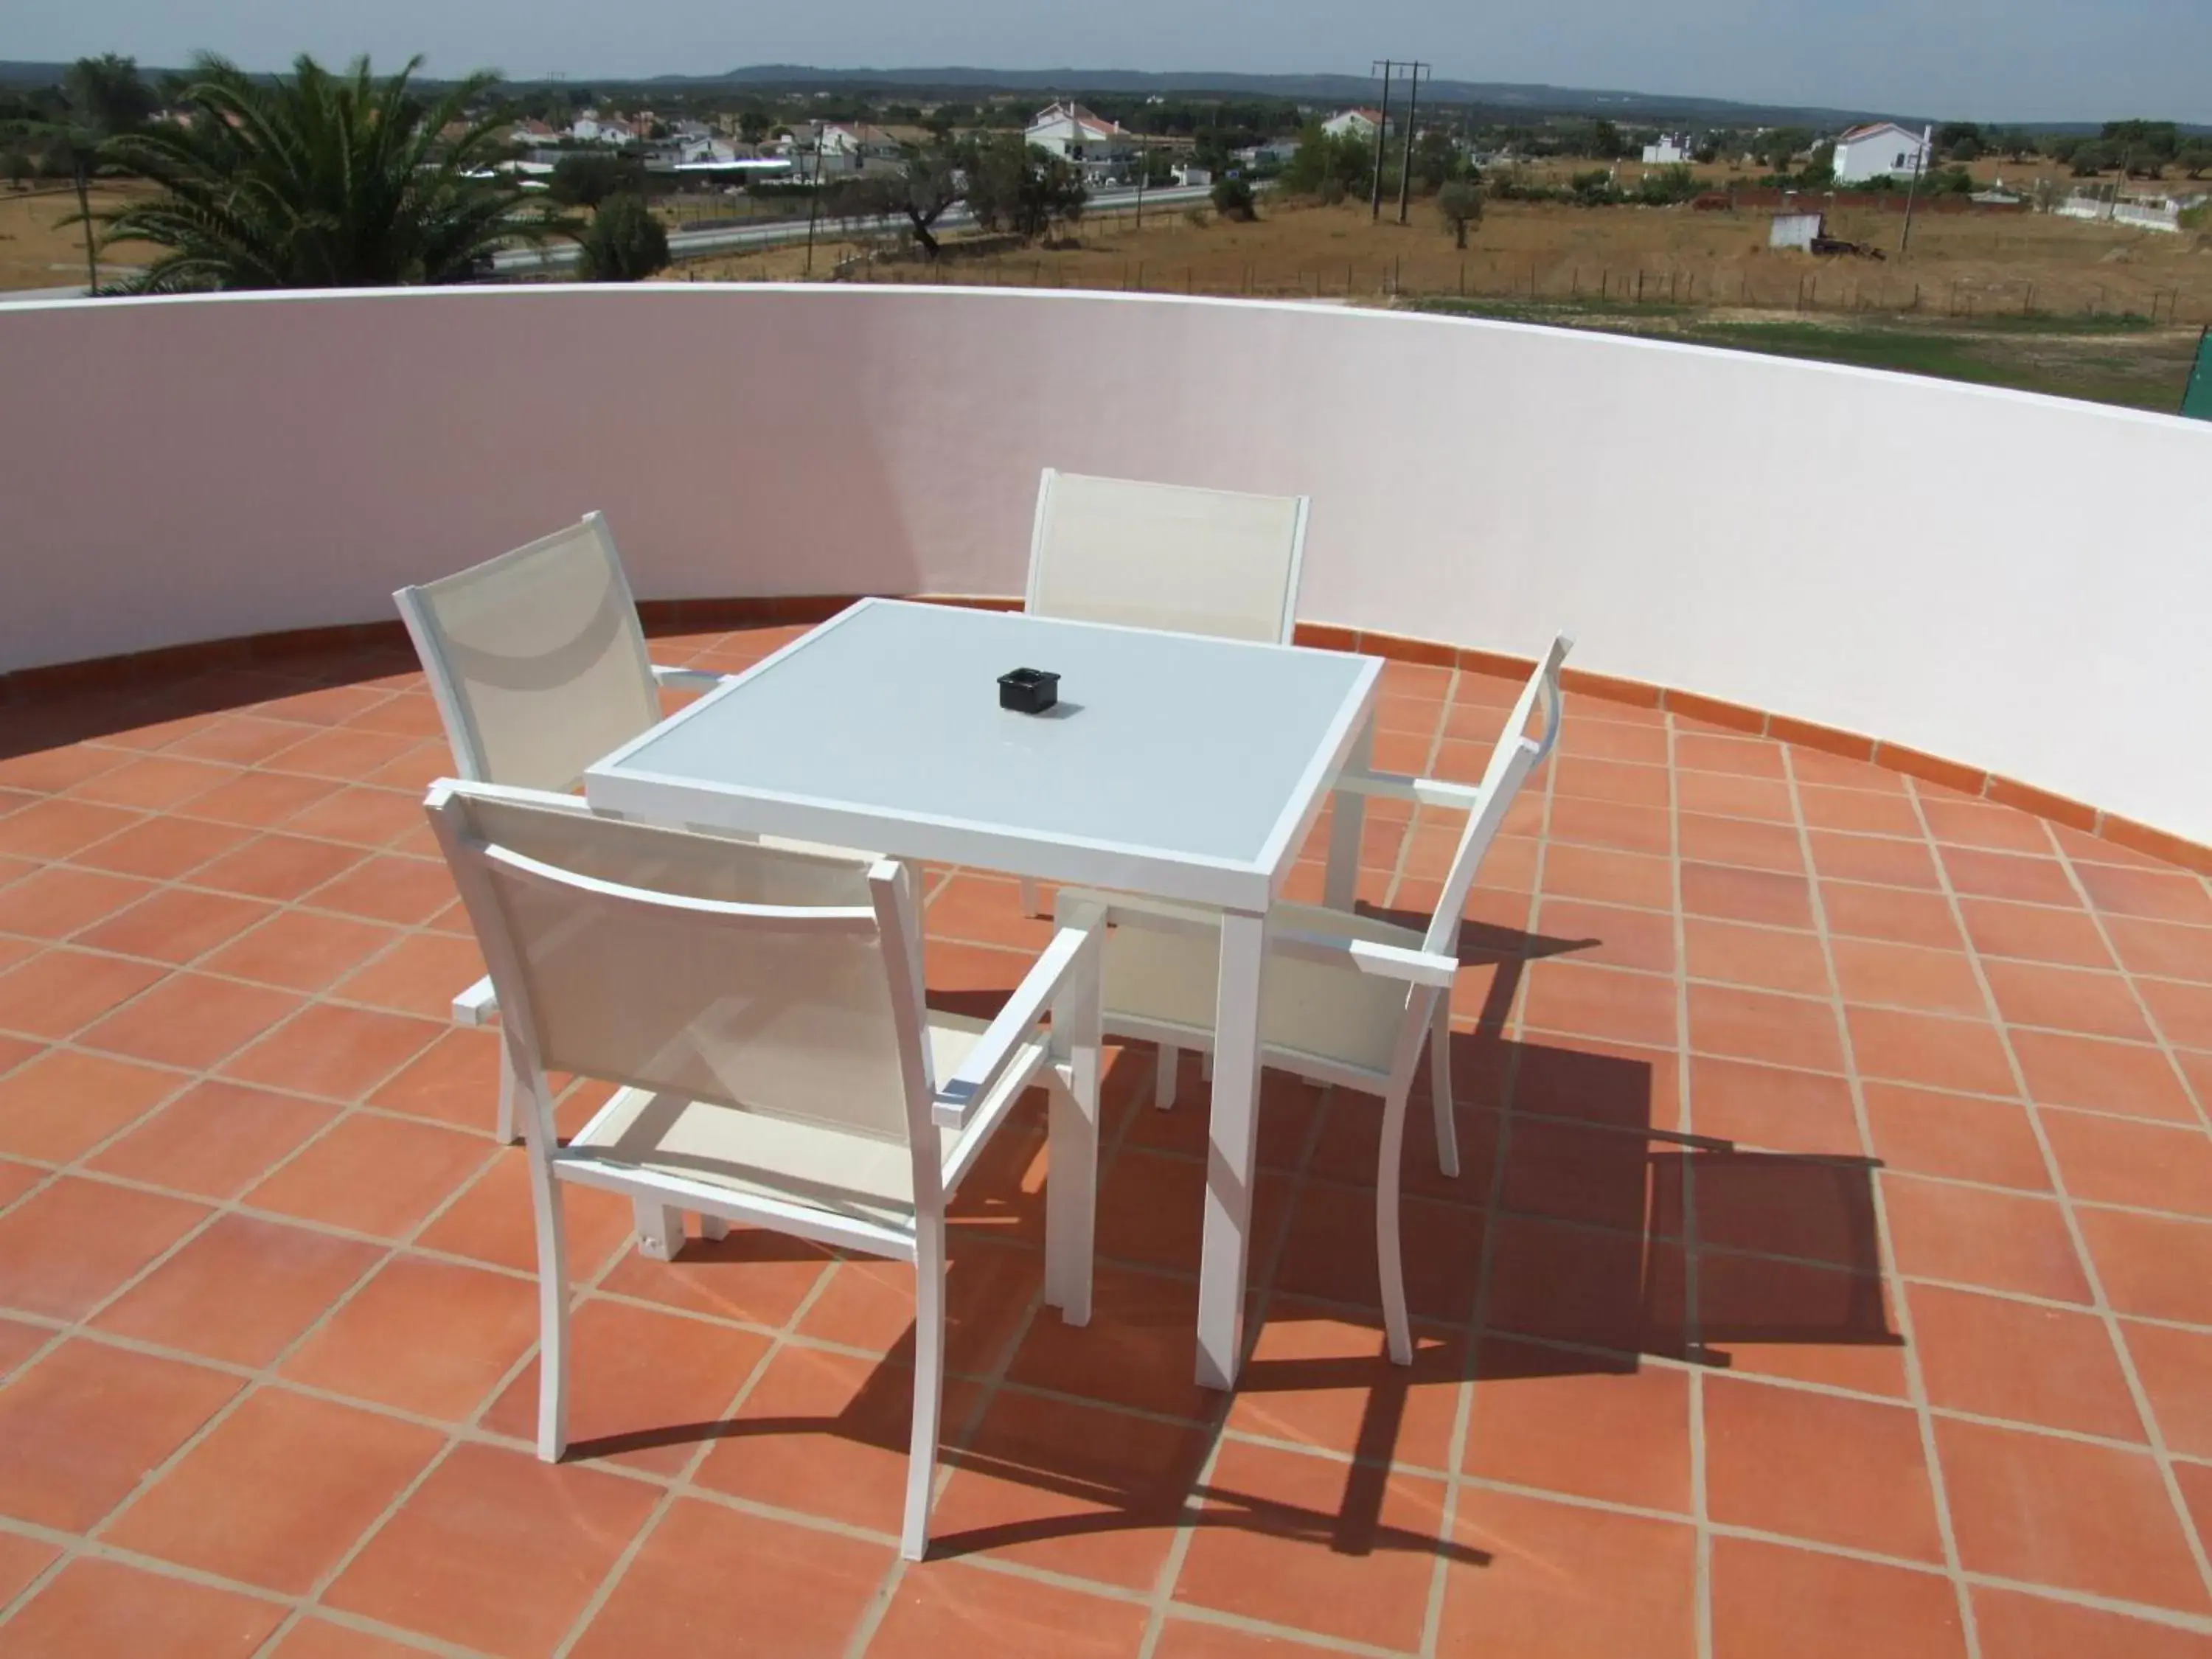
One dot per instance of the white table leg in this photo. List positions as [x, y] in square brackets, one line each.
[1348, 818]
[1232, 1142]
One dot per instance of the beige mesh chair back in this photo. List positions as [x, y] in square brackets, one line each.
[539, 667]
[1166, 557]
[536, 659]
[760, 1009]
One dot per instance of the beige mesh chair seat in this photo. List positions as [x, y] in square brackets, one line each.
[760, 1008]
[761, 1156]
[1164, 556]
[1346, 999]
[539, 667]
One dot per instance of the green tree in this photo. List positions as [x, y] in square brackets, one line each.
[919, 192]
[2195, 160]
[1606, 141]
[1777, 147]
[1347, 159]
[1437, 159]
[752, 126]
[2089, 160]
[319, 180]
[1460, 204]
[1233, 199]
[2144, 142]
[625, 243]
[1016, 186]
[588, 178]
[1960, 141]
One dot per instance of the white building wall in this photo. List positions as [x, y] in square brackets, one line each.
[2050, 633]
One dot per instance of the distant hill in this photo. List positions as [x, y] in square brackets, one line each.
[1506, 98]
[1494, 100]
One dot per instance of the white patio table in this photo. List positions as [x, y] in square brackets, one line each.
[1175, 767]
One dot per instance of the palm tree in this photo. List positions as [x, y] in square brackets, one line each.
[103, 98]
[317, 181]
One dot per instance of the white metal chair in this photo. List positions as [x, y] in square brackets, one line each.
[1348, 999]
[1166, 557]
[762, 1007]
[538, 666]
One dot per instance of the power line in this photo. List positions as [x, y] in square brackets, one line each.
[1381, 132]
[1406, 155]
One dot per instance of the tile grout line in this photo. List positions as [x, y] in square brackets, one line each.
[1463, 1403]
[1916, 1381]
[2164, 1045]
[680, 1484]
[2100, 1302]
[1693, 1314]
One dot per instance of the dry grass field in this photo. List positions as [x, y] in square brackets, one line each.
[2023, 300]
[1963, 264]
[39, 250]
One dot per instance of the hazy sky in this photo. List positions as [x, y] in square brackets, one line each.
[1976, 59]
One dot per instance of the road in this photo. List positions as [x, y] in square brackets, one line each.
[694, 244]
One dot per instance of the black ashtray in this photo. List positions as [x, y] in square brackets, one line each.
[1029, 690]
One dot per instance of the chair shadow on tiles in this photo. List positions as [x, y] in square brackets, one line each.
[1611, 1238]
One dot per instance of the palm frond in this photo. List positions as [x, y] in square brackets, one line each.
[318, 179]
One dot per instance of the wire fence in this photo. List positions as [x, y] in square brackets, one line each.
[1842, 285]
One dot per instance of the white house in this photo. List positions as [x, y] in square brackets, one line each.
[1189, 173]
[592, 128]
[1357, 123]
[704, 148]
[1672, 150]
[1881, 149]
[1098, 147]
[1274, 153]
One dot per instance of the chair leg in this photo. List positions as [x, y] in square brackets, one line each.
[713, 1227]
[928, 1384]
[1440, 1090]
[1205, 1065]
[552, 1316]
[1390, 1262]
[1164, 1079]
[1032, 901]
[1071, 1195]
[659, 1229]
[505, 1128]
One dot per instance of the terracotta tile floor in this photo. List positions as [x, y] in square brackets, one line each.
[1831, 1272]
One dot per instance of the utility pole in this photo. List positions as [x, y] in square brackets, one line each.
[1919, 161]
[1382, 128]
[814, 199]
[1144, 167]
[1406, 154]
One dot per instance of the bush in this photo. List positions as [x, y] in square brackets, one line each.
[1332, 191]
[1196, 216]
[587, 180]
[1593, 188]
[1233, 199]
[1663, 186]
[625, 244]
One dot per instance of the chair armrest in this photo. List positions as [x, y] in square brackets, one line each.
[686, 679]
[478, 1006]
[1074, 950]
[1428, 791]
[1370, 956]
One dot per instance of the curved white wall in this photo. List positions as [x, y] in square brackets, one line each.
[2028, 597]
